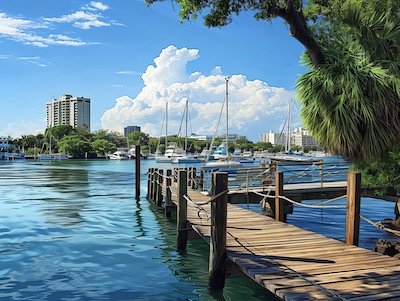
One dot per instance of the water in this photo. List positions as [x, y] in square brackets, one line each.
[73, 230]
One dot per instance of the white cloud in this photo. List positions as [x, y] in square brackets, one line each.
[93, 5]
[254, 106]
[128, 72]
[23, 127]
[21, 30]
[33, 60]
[81, 19]
[25, 31]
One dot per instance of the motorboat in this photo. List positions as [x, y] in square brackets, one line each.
[188, 159]
[171, 153]
[118, 155]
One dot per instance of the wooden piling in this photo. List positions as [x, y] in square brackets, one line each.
[193, 177]
[149, 182]
[137, 170]
[168, 196]
[181, 219]
[217, 262]
[160, 182]
[353, 208]
[279, 203]
[154, 185]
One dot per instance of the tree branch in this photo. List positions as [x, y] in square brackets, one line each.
[300, 30]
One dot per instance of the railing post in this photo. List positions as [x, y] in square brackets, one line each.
[272, 169]
[193, 176]
[353, 208]
[321, 171]
[168, 197]
[153, 184]
[201, 182]
[150, 173]
[181, 218]
[279, 203]
[217, 264]
[160, 187]
[137, 170]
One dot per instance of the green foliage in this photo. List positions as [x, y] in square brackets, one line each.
[58, 132]
[138, 138]
[32, 151]
[259, 146]
[153, 143]
[102, 146]
[74, 145]
[351, 104]
[381, 174]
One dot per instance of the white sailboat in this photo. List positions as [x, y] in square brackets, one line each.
[221, 153]
[288, 155]
[186, 157]
[50, 156]
[171, 150]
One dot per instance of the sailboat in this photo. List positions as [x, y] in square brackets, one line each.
[186, 157]
[288, 155]
[50, 156]
[171, 150]
[220, 154]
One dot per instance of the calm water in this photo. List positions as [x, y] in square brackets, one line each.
[74, 231]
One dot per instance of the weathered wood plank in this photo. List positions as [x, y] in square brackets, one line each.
[296, 264]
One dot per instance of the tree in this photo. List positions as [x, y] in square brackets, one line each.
[102, 146]
[219, 13]
[352, 52]
[138, 138]
[59, 131]
[351, 104]
[75, 146]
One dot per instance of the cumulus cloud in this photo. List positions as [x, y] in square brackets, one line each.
[254, 106]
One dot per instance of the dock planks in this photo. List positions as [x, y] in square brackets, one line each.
[296, 264]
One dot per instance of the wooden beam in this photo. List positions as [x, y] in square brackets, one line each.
[279, 203]
[181, 221]
[353, 208]
[217, 264]
[168, 196]
[137, 170]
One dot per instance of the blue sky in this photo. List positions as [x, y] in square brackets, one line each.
[130, 59]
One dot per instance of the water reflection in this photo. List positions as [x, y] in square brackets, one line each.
[192, 266]
[74, 231]
[70, 191]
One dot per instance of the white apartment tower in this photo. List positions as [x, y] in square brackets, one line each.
[67, 109]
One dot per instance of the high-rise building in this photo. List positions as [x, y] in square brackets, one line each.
[299, 137]
[67, 109]
[274, 138]
[131, 128]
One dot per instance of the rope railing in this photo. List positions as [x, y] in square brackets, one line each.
[314, 205]
[379, 225]
[198, 207]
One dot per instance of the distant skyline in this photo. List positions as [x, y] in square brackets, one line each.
[129, 59]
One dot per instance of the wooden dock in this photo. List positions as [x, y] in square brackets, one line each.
[292, 263]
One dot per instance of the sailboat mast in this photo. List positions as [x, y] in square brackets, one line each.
[186, 126]
[166, 124]
[226, 100]
[288, 142]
